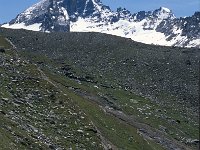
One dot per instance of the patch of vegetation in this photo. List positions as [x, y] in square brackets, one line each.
[58, 94]
[4, 43]
[35, 114]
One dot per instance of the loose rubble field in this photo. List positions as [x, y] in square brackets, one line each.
[98, 94]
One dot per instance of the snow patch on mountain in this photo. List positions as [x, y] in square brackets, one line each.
[33, 27]
[31, 12]
[123, 28]
[65, 13]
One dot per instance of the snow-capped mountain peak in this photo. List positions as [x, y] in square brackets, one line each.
[152, 27]
[55, 15]
[163, 13]
[164, 9]
[40, 7]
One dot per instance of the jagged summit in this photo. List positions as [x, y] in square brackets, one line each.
[161, 13]
[74, 8]
[55, 15]
[150, 27]
[165, 9]
[164, 13]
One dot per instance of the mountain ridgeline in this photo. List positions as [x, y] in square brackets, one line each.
[159, 27]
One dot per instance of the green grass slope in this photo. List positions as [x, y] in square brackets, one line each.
[96, 91]
[37, 112]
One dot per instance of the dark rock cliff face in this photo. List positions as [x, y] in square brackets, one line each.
[79, 8]
[190, 27]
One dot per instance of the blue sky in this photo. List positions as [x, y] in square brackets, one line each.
[10, 8]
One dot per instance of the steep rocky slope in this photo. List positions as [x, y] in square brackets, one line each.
[34, 113]
[128, 90]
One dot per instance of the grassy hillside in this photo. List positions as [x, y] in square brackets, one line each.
[96, 91]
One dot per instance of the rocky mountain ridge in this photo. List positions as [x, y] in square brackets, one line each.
[159, 27]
